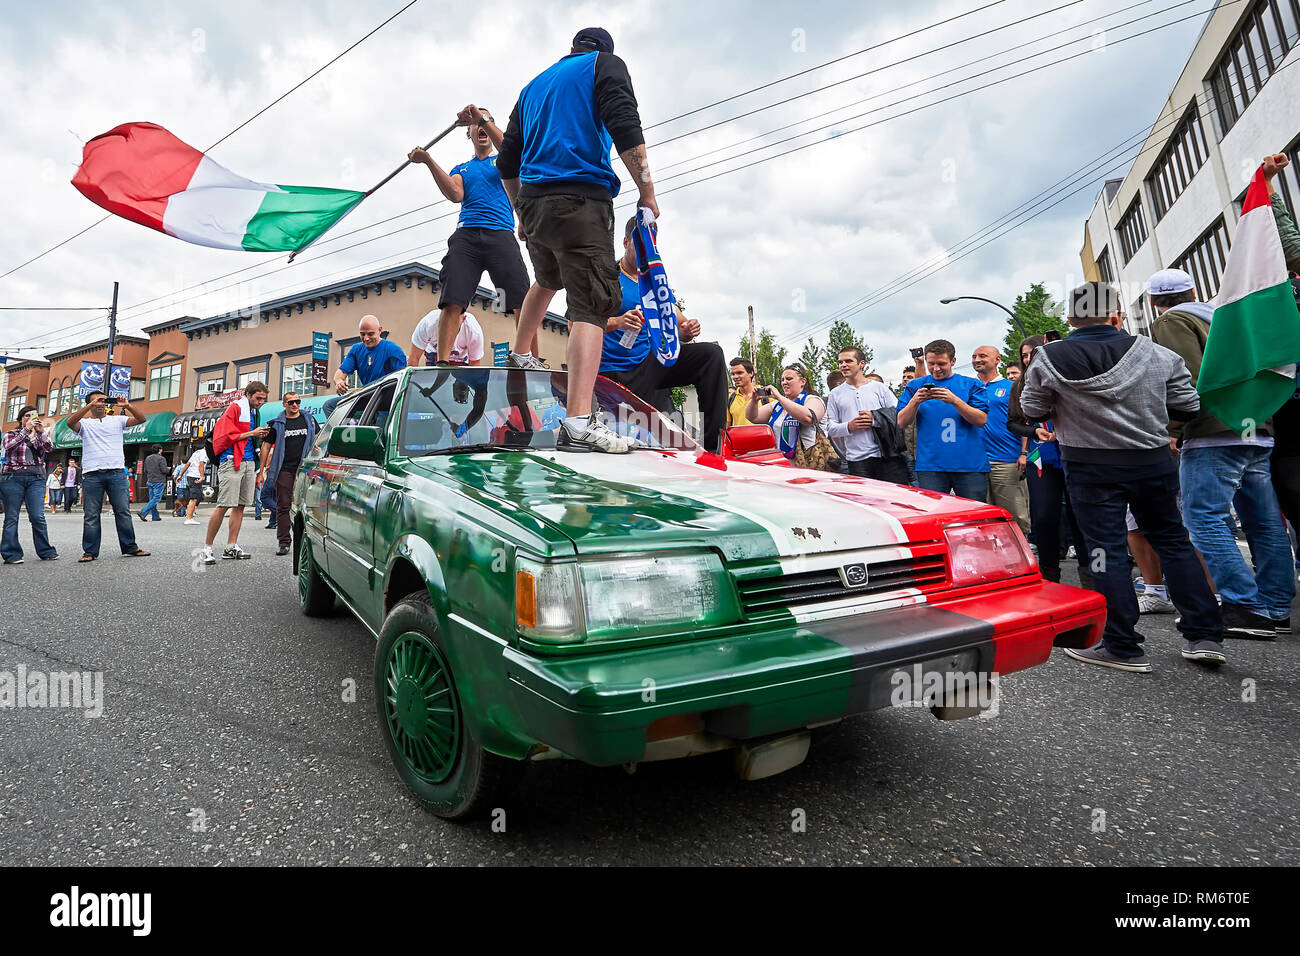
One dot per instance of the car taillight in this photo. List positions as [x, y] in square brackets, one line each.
[982, 551]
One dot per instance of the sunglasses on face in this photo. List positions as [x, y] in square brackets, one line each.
[293, 401]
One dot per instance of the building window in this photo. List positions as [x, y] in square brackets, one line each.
[1185, 154]
[1253, 54]
[212, 383]
[1205, 260]
[56, 395]
[297, 378]
[1132, 231]
[164, 382]
[14, 405]
[1104, 267]
[40, 404]
[136, 391]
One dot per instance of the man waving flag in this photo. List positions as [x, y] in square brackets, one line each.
[141, 172]
[1249, 367]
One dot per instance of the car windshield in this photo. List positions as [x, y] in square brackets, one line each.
[475, 408]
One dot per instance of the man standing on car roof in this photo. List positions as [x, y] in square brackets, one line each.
[554, 165]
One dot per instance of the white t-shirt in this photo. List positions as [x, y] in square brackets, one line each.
[197, 459]
[101, 443]
[467, 348]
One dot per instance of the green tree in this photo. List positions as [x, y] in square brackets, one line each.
[770, 359]
[843, 336]
[813, 360]
[1038, 312]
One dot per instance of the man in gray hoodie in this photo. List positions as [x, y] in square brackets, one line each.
[1111, 396]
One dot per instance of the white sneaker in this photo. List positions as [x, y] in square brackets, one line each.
[235, 553]
[515, 360]
[192, 521]
[597, 437]
[208, 556]
[1150, 603]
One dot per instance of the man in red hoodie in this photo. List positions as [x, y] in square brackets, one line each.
[236, 469]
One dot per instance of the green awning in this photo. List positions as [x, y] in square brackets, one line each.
[155, 429]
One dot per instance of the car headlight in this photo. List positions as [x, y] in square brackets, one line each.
[982, 551]
[614, 598]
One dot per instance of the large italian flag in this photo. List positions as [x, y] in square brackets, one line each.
[1248, 370]
[142, 172]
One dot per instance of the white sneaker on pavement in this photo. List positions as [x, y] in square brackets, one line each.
[208, 556]
[192, 521]
[1150, 603]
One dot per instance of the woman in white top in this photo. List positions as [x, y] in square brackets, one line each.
[54, 485]
[788, 411]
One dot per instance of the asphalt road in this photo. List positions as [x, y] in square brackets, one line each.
[225, 739]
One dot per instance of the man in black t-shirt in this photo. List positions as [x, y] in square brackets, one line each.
[291, 434]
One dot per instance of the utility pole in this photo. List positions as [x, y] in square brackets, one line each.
[753, 350]
[112, 335]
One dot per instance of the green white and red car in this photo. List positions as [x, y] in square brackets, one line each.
[530, 603]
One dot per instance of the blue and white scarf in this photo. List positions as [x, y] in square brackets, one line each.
[786, 427]
[656, 294]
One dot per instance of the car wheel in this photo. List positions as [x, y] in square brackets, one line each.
[315, 599]
[422, 723]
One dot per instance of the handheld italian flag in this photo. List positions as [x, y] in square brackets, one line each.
[1035, 458]
[141, 172]
[1248, 370]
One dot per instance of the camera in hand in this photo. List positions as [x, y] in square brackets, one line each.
[918, 353]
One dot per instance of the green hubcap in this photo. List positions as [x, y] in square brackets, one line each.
[420, 707]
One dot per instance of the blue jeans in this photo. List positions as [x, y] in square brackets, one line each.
[29, 490]
[94, 485]
[56, 498]
[1215, 478]
[155, 496]
[966, 484]
[1099, 495]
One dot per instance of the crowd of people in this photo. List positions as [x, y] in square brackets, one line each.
[1095, 442]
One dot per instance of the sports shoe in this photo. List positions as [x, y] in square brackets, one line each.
[192, 521]
[597, 437]
[1151, 603]
[15, 561]
[1100, 656]
[281, 551]
[515, 360]
[235, 553]
[140, 515]
[1283, 626]
[209, 557]
[1207, 651]
[1245, 623]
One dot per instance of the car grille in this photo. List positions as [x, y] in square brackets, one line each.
[812, 587]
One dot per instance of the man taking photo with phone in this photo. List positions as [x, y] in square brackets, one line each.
[236, 469]
[103, 463]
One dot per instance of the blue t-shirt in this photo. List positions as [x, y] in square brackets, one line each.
[373, 364]
[1000, 444]
[944, 440]
[613, 357]
[485, 205]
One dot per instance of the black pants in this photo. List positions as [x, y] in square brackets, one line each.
[701, 364]
[881, 469]
[283, 499]
[1099, 494]
[1286, 482]
[1048, 501]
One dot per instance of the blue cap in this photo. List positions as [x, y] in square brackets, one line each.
[1170, 282]
[597, 37]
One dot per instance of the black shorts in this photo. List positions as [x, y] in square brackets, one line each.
[472, 250]
[571, 243]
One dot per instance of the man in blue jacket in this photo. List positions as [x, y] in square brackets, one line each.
[554, 165]
[290, 434]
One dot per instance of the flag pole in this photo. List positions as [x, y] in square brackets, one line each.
[373, 189]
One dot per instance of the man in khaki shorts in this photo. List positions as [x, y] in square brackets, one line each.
[236, 469]
[554, 165]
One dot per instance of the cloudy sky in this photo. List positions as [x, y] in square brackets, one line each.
[801, 237]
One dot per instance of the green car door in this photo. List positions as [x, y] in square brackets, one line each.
[350, 514]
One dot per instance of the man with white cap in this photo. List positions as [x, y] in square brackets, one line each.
[1220, 468]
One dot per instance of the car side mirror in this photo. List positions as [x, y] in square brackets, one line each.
[750, 438]
[364, 442]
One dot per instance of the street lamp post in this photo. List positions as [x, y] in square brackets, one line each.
[1014, 317]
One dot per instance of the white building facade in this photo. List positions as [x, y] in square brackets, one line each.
[1236, 101]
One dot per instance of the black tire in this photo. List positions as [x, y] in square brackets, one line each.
[431, 747]
[315, 598]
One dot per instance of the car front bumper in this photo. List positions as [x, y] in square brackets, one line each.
[599, 708]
